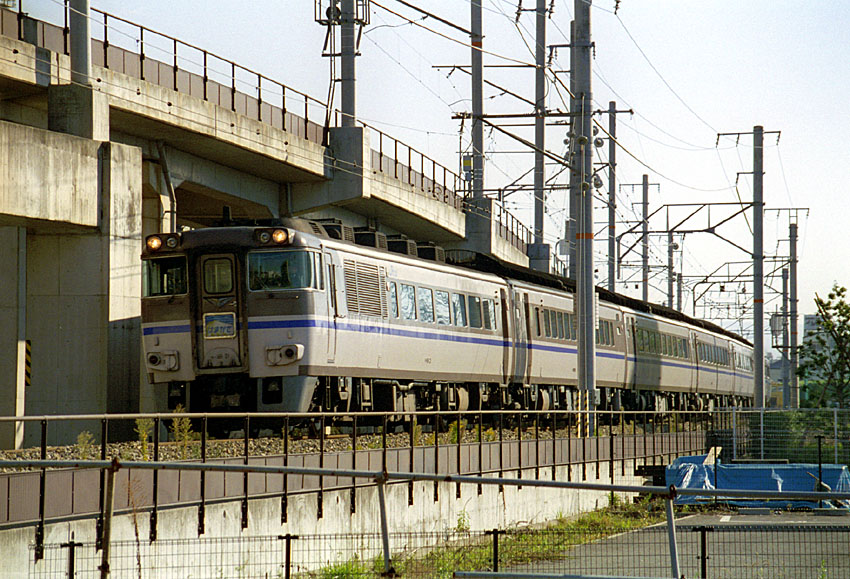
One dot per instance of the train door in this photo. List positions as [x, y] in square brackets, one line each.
[520, 336]
[333, 305]
[631, 353]
[220, 340]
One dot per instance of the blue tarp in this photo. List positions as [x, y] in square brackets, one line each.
[690, 472]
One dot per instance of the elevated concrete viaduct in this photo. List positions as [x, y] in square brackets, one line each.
[91, 168]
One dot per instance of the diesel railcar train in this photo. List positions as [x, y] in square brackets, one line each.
[297, 317]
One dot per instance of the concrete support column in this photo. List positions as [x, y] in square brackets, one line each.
[78, 110]
[13, 303]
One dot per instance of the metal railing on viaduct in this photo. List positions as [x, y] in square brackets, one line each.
[145, 54]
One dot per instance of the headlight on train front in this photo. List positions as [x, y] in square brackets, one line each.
[283, 355]
[277, 236]
[155, 242]
[280, 236]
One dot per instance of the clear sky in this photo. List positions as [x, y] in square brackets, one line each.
[688, 69]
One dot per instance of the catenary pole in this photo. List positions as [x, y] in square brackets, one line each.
[476, 40]
[612, 192]
[539, 121]
[758, 262]
[348, 54]
[786, 379]
[584, 235]
[670, 274]
[795, 393]
[645, 241]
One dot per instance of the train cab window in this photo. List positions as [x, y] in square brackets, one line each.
[218, 276]
[408, 302]
[283, 270]
[425, 297]
[165, 276]
[537, 326]
[441, 307]
[393, 299]
[474, 312]
[459, 309]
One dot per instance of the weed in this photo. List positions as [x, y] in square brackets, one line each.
[462, 522]
[85, 445]
[144, 427]
[181, 432]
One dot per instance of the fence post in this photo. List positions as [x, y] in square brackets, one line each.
[72, 561]
[39, 530]
[703, 550]
[671, 533]
[385, 533]
[107, 521]
[761, 433]
[734, 435]
[495, 533]
[835, 433]
[247, 442]
[287, 554]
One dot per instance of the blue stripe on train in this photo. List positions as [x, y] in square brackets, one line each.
[408, 333]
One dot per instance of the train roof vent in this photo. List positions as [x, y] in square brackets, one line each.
[399, 243]
[317, 229]
[371, 238]
[337, 230]
[430, 251]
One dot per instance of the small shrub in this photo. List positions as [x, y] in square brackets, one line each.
[181, 432]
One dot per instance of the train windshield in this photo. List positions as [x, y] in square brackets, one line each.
[164, 276]
[281, 270]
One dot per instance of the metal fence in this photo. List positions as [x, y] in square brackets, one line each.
[586, 547]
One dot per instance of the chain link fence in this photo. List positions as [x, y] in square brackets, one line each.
[591, 549]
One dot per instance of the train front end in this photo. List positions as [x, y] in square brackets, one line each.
[229, 318]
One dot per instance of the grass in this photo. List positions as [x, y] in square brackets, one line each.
[475, 552]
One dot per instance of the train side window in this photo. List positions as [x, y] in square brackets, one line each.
[474, 312]
[441, 307]
[459, 309]
[218, 276]
[537, 322]
[606, 326]
[408, 302]
[425, 297]
[685, 350]
[393, 299]
[572, 327]
[547, 323]
[560, 325]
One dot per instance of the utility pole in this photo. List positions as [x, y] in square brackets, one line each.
[795, 393]
[645, 241]
[583, 154]
[786, 382]
[348, 25]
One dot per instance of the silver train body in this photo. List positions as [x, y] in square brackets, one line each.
[290, 319]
